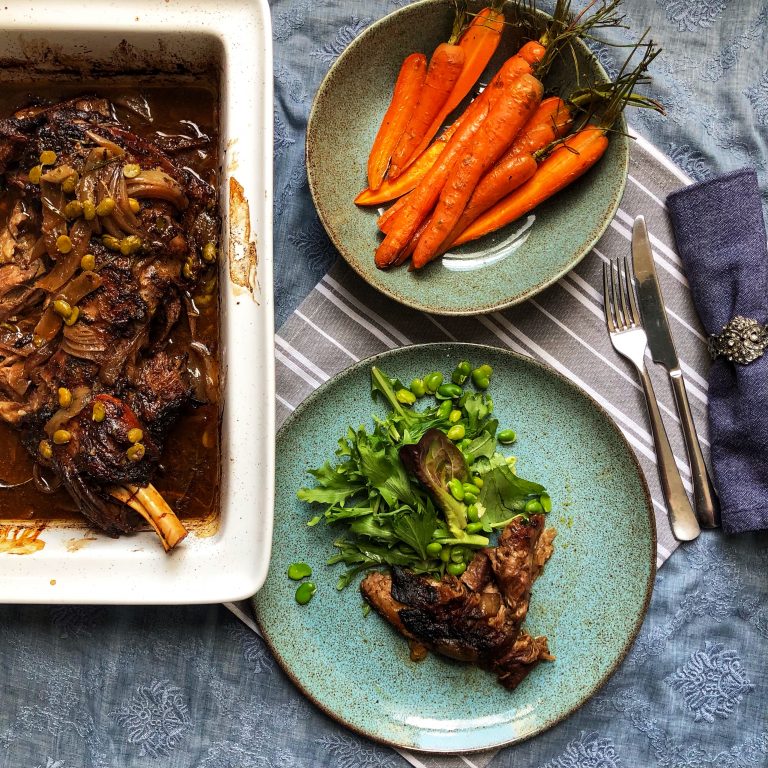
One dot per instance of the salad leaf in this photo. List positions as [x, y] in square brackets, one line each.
[504, 494]
[435, 461]
[416, 527]
[483, 445]
[335, 485]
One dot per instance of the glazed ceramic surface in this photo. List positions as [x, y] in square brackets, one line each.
[590, 600]
[345, 116]
[226, 560]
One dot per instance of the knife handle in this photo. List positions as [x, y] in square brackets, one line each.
[682, 520]
[704, 495]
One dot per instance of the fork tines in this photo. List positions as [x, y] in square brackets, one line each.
[620, 315]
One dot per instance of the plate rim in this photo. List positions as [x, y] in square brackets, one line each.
[632, 637]
[486, 308]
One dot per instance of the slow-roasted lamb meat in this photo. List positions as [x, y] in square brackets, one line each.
[108, 241]
[477, 617]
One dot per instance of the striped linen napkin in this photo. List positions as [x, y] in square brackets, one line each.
[343, 320]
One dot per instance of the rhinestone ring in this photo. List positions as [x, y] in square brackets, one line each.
[742, 341]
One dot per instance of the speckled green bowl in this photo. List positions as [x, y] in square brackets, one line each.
[590, 600]
[345, 116]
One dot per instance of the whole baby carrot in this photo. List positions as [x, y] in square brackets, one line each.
[444, 68]
[508, 115]
[404, 98]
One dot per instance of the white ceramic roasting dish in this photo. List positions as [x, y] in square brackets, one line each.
[232, 39]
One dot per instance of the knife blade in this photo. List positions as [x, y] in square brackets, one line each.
[662, 348]
[652, 309]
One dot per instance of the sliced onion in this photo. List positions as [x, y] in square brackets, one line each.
[157, 184]
[45, 482]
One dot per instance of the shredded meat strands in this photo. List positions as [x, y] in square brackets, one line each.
[107, 244]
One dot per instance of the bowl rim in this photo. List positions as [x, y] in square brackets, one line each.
[495, 306]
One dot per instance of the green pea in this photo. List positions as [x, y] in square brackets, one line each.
[299, 571]
[473, 513]
[470, 498]
[418, 388]
[457, 555]
[464, 368]
[444, 411]
[456, 432]
[457, 377]
[405, 396]
[454, 416]
[448, 391]
[433, 381]
[533, 507]
[480, 380]
[445, 555]
[456, 569]
[434, 548]
[305, 592]
[456, 489]
[506, 436]
[474, 527]
[546, 502]
[485, 369]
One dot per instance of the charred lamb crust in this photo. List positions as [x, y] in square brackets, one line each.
[477, 617]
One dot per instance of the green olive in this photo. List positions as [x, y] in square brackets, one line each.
[89, 210]
[62, 308]
[456, 432]
[88, 262]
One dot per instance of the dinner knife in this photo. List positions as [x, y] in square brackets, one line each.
[662, 348]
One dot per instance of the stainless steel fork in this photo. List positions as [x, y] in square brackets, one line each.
[628, 338]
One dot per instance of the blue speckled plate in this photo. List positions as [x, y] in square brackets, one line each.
[590, 600]
[346, 114]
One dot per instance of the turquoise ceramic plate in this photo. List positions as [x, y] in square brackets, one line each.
[345, 116]
[590, 600]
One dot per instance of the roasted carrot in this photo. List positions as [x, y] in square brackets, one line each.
[444, 69]
[384, 222]
[423, 198]
[479, 42]
[549, 122]
[393, 188]
[404, 98]
[571, 159]
[566, 164]
[508, 115]
[405, 182]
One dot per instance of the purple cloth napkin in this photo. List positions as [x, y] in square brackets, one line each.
[722, 241]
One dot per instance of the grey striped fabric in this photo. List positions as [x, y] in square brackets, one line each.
[344, 320]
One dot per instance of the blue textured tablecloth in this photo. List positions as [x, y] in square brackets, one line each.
[191, 687]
